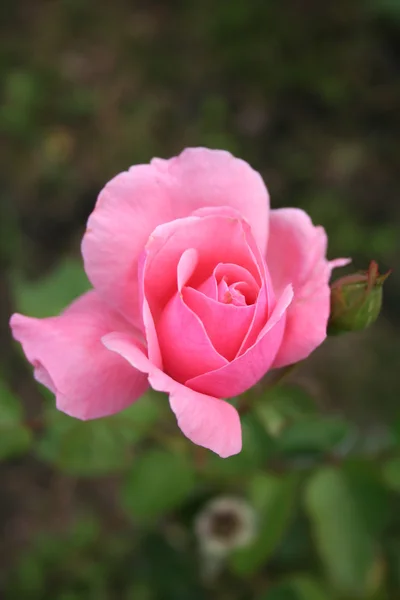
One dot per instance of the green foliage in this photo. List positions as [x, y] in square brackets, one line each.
[257, 448]
[274, 499]
[290, 416]
[346, 547]
[157, 483]
[386, 8]
[52, 294]
[298, 588]
[74, 557]
[391, 473]
[15, 437]
[21, 96]
[97, 447]
[282, 406]
[313, 434]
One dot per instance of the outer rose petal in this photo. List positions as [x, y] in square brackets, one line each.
[296, 254]
[69, 358]
[133, 203]
[213, 178]
[205, 420]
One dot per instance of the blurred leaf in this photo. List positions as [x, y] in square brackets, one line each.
[21, 97]
[395, 431]
[142, 415]
[385, 8]
[364, 480]
[85, 532]
[15, 438]
[297, 544]
[157, 483]
[341, 535]
[393, 560]
[100, 446]
[301, 587]
[391, 473]
[88, 448]
[309, 589]
[50, 295]
[274, 499]
[176, 571]
[257, 447]
[29, 579]
[313, 434]
[282, 405]
[282, 591]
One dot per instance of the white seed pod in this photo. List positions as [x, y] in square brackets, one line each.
[224, 524]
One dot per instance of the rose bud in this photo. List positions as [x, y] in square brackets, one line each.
[356, 300]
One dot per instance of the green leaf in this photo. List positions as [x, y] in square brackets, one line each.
[385, 8]
[367, 487]
[313, 434]
[344, 543]
[88, 448]
[274, 499]
[257, 447]
[14, 441]
[84, 532]
[143, 414]
[301, 587]
[283, 405]
[169, 573]
[50, 295]
[307, 588]
[282, 591]
[157, 483]
[391, 473]
[15, 438]
[395, 431]
[101, 446]
[28, 580]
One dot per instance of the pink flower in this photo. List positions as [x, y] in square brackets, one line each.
[199, 290]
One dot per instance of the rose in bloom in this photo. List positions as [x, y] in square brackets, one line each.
[198, 289]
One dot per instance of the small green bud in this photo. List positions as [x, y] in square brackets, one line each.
[356, 300]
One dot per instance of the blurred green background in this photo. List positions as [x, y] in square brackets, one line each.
[309, 93]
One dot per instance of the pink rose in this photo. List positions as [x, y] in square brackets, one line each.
[199, 290]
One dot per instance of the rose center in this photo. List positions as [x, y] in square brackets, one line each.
[239, 293]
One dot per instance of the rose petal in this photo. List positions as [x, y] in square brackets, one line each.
[216, 239]
[128, 209]
[214, 178]
[210, 287]
[133, 203]
[205, 420]
[186, 349]
[235, 273]
[69, 358]
[186, 266]
[297, 254]
[226, 324]
[248, 368]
